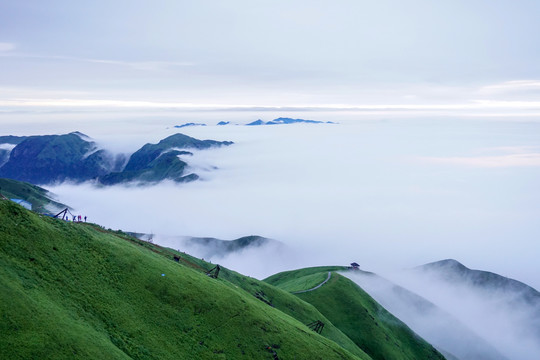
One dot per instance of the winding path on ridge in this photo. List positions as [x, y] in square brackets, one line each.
[316, 287]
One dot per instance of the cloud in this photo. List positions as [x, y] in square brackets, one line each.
[257, 261]
[154, 65]
[510, 86]
[341, 193]
[140, 65]
[438, 327]
[5, 46]
[501, 317]
[513, 160]
[506, 156]
[475, 108]
[7, 147]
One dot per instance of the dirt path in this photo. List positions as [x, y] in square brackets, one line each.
[316, 287]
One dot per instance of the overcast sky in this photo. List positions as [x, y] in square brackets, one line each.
[269, 53]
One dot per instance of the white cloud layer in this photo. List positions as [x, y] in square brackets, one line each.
[513, 160]
[510, 86]
[5, 46]
[342, 193]
[503, 318]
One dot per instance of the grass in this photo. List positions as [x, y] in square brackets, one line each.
[267, 294]
[75, 290]
[362, 319]
[303, 279]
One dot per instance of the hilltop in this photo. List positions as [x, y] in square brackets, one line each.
[46, 159]
[453, 271]
[353, 311]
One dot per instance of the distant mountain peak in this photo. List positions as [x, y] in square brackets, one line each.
[446, 263]
[81, 135]
[454, 272]
[256, 122]
[189, 124]
[286, 120]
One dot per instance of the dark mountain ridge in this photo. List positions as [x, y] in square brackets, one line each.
[505, 311]
[454, 272]
[55, 158]
[75, 157]
[286, 120]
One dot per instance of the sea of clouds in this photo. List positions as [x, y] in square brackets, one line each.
[387, 193]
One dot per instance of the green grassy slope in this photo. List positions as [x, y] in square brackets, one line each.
[37, 196]
[74, 290]
[302, 279]
[267, 294]
[363, 320]
[293, 306]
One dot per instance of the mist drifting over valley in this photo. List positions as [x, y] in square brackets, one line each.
[468, 313]
[387, 194]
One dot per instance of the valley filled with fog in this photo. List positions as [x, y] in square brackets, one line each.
[387, 192]
[390, 192]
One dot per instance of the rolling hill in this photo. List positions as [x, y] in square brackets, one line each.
[353, 311]
[71, 289]
[77, 290]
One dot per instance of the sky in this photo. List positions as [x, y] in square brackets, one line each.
[481, 56]
[436, 154]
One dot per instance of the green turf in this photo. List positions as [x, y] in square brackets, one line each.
[285, 277]
[302, 282]
[267, 294]
[361, 318]
[74, 290]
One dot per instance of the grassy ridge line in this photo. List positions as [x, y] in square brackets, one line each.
[289, 278]
[367, 323]
[292, 306]
[281, 300]
[304, 283]
[353, 311]
[69, 290]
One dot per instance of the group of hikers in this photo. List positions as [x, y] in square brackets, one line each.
[76, 218]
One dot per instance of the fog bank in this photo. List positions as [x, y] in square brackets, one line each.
[503, 317]
[358, 191]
